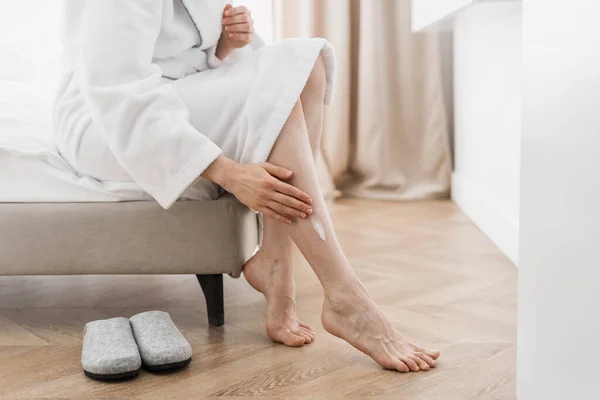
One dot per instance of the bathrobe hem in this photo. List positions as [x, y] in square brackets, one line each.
[291, 96]
[186, 177]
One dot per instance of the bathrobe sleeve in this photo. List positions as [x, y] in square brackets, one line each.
[110, 44]
[214, 62]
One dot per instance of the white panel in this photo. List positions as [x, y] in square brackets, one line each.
[559, 276]
[427, 13]
[488, 104]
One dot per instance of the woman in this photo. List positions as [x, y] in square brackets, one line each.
[178, 94]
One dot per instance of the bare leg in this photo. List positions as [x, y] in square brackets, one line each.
[348, 310]
[270, 271]
[312, 105]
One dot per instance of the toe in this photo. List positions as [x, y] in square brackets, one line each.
[423, 366]
[434, 354]
[430, 361]
[287, 337]
[307, 338]
[293, 340]
[303, 325]
[410, 363]
[402, 367]
[308, 333]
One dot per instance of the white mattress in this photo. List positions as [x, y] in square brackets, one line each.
[32, 170]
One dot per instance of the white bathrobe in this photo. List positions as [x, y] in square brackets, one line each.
[144, 97]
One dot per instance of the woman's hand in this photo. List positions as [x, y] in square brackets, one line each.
[261, 187]
[238, 30]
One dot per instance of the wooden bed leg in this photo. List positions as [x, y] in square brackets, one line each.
[212, 286]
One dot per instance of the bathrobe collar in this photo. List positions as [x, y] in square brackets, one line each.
[206, 15]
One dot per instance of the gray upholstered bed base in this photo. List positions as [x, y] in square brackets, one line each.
[206, 238]
[193, 237]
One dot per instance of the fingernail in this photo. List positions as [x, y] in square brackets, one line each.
[231, 35]
[227, 12]
[227, 28]
[309, 211]
[289, 173]
[288, 222]
[309, 201]
[303, 216]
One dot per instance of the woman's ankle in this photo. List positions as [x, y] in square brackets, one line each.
[346, 292]
[276, 257]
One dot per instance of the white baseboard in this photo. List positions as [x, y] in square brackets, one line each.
[495, 223]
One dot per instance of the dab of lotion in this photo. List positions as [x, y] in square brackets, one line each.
[318, 226]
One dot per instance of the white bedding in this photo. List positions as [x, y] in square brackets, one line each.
[31, 170]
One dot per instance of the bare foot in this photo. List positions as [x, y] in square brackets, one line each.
[354, 317]
[274, 278]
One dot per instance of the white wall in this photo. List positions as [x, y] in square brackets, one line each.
[487, 100]
[559, 276]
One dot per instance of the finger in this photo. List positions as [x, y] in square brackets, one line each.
[285, 210]
[240, 28]
[227, 7]
[237, 19]
[277, 217]
[237, 10]
[277, 172]
[243, 37]
[292, 202]
[293, 191]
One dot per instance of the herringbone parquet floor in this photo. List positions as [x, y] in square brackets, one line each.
[433, 272]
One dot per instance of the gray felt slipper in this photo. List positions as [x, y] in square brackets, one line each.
[161, 344]
[109, 350]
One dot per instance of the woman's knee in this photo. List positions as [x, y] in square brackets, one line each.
[296, 123]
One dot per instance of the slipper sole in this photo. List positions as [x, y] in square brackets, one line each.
[112, 377]
[166, 367]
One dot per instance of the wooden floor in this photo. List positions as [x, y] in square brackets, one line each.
[432, 271]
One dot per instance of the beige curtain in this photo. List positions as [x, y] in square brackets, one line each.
[386, 134]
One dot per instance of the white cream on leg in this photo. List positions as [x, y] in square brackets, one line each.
[318, 227]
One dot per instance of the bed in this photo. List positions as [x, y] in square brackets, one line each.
[53, 221]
